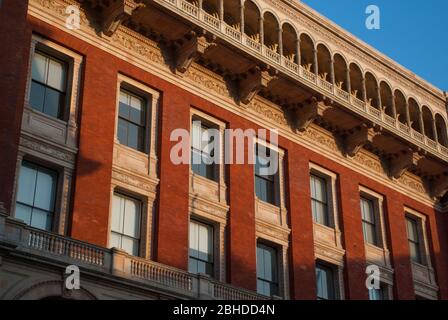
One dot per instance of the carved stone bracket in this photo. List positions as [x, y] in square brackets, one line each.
[191, 47]
[252, 82]
[117, 11]
[358, 137]
[439, 185]
[402, 161]
[306, 113]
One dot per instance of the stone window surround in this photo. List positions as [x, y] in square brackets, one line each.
[134, 181]
[333, 213]
[424, 289]
[338, 275]
[219, 255]
[69, 125]
[262, 207]
[282, 261]
[196, 180]
[152, 98]
[58, 155]
[382, 249]
[63, 185]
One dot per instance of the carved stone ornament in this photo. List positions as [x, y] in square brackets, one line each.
[402, 161]
[117, 12]
[191, 47]
[358, 137]
[253, 82]
[308, 112]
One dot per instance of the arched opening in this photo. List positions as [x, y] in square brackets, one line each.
[211, 7]
[400, 106]
[232, 14]
[356, 81]
[271, 33]
[428, 122]
[252, 21]
[387, 99]
[340, 72]
[324, 62]
[372, 91]
[441, 130]
[289, 42]
[307, 52]
[414, 115]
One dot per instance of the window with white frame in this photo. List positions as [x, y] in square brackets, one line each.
[369, 221]
[126, 224]
[319, 200]
[36, 195]
[132, 120]
[265, 181]
[326, 282]
[201, 256]
[48, 84]
[413, 225]
[267, 270]
[203, 148]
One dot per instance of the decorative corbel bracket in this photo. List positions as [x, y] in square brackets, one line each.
[402, 161]
[439, 186]
[252, 82]
[117, 11]
[358, 137]
[191, 47]
[306, 113]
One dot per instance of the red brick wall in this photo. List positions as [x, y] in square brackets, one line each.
[15, 36]
[91, 204]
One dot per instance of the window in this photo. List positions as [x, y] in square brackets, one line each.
[48, 85]
[126, 220]
[203, 146]
[412, 226]
[36, 196]
[132, 121]
[378, 294]
[325, 282]
[369, 221]
[319, 200]
[201, 248]
[267, 270]
[264, 183]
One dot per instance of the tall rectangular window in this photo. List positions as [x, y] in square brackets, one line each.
[267, 270]
[319, 200]
[132, 121]
[202, 152]
[369, 227]
[126, 224]
[201, 248]
[414, 240]
[48, 85]
[378, 294]
[264, 183]
[36, 196]
[325, 282]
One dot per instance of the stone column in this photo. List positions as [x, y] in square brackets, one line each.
[261, 21]
[349, 85]
[332, 75]
[280, 41]
[299, 57]
[316, 66]
[242, 18]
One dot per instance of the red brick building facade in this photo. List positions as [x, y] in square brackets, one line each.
[108, 59]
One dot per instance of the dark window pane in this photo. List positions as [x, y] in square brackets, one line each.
[52, 102]
[325, 282]
[124, 110]
[122, 132]
[37, 96]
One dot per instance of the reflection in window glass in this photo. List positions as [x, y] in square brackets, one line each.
[325, 282]
[201, 248]
[369, 221]
[267, 270]
[319, 200]
[48, 85]
[132, 121]
[36, 196]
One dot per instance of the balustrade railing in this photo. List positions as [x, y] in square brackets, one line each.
[234, 32]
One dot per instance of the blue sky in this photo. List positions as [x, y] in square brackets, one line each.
[413, 32]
